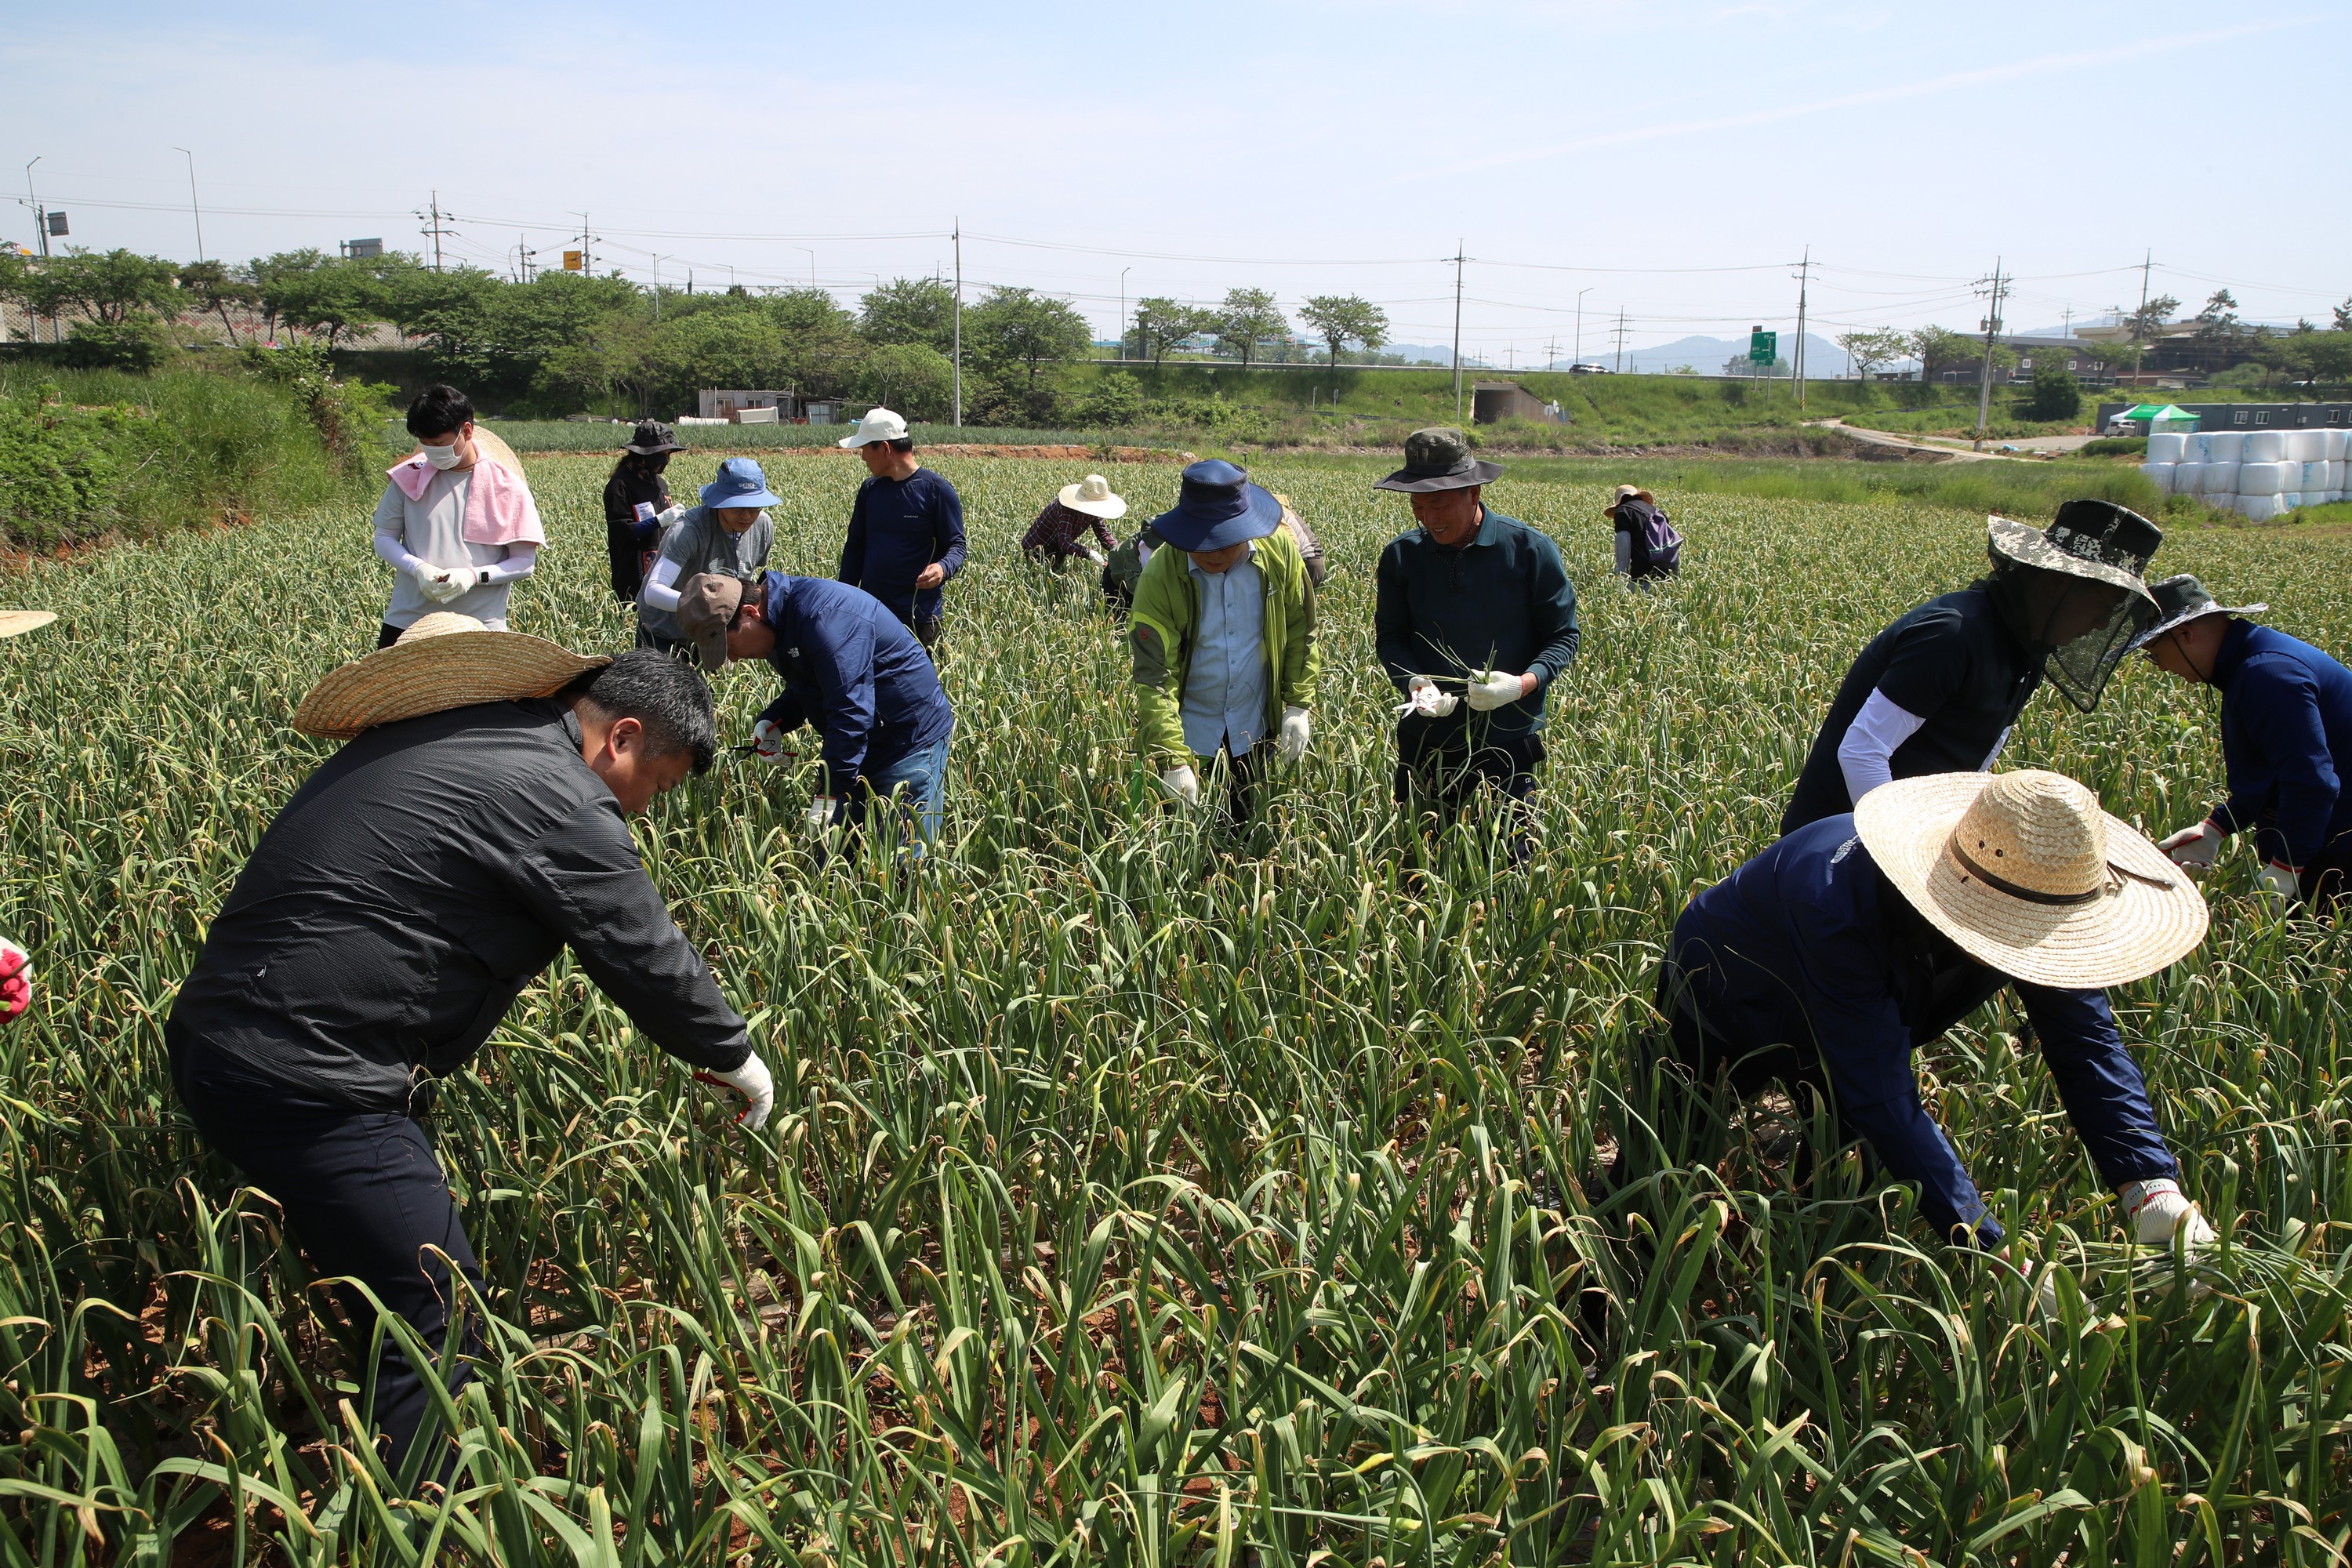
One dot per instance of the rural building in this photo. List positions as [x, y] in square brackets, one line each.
[726, 405]
[2252, 416]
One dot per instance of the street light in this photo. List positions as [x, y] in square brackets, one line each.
[1580, 293]
[804, 250]
[192, 208]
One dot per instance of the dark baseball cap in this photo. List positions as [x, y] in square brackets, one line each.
[707, 603]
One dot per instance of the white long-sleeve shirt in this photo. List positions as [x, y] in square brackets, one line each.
[1867, 753]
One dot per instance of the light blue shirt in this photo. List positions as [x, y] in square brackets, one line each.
[1225, 690]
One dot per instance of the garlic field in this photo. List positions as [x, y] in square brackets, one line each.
[1136, 1198]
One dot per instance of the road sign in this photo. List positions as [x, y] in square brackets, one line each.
[1763, 347]
[574, 261]
[58, 230]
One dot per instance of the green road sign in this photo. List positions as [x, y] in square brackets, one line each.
[1763, 347]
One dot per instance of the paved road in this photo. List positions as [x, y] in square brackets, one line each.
[1960, 450]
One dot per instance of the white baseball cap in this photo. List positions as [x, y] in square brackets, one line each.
[879, 425]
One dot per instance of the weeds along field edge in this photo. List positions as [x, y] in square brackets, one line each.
[1133, 1201]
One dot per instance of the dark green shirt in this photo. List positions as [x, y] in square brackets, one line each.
[1501, 602]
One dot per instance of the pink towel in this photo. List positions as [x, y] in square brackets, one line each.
[499, 508]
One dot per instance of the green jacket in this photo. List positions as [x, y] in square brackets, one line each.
[1168, 612]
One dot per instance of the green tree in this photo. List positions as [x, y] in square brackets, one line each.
[2055, 394]
[715, 348]
[1343, 319]
[2148, 324]
[105, 287]
[2312, 357]
[1248, 321]
[1162, 323]
[820, 341]
[342, 295]
[915, 379]
[273, 275]
[1117, 400]
[1939, 349]
[1869, 350]
[909, 311]
[1020, 328]
[213, 286]
[2220, 334]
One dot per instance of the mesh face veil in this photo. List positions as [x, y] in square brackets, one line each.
[2082, 628]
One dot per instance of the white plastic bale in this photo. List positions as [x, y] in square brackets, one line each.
[2229, 446]
[2261, 509]
[2260, 479]
[2165, 448]
[2306, 446]
[2335, 444]
[2220, 480]
[2196, 449]
[2187, 479]
[2265, 447]
[2160, 475]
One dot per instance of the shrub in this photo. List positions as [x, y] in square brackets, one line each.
[55, 471]
[137, 341]
[1117, 400]
[2056, 395]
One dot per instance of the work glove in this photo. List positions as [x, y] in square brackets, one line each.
[16, 981]
[1497, 690]
[768, 742]
[821, 814]
[441, 583]
[2159, 1210]
[752, 1082]
[2195, 847]
[2281, 887]
[1095, 557]
[1295, 730]
[1183, 784]
[1423, 697]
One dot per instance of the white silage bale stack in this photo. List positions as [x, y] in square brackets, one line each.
[2307, 445]
[2262, 478]
[2187, 479]
[2196, 449]
[2160, 475]
[2335, 444]
[2229, 446]
[2220, 479]
[2261, 509]
[2165, 448]
[2314, 478]
[2265, 447]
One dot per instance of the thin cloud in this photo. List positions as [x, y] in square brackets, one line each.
[1945, 83]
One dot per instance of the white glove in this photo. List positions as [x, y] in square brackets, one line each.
[669, 516]
[1095, 557]
[1423, 698]
[2159, 1210]
[1183, 784]
[752, 1082]
[820, 814]
[441, 583]
[1296, 729]
[2281, 888]
[1497, 690]
[2195, 847]
[768, 742]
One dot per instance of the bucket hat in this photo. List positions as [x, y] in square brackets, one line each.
[739, 483]
[651, 438]
[2026, 873]
[445, 660]
[1092, 495]
[2096, 540]
[879, 425]
[1626, 493]
[16, 623]
[1439, 459]
[707, 603]
[1216, 506]
[2182, 599]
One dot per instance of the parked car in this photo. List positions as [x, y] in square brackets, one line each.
[1589, 370]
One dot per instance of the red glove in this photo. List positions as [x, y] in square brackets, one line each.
[16, 981]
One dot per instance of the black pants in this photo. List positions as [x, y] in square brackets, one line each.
[366, 1198]
[1439, 772]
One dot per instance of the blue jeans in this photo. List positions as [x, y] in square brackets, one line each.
[920, 780]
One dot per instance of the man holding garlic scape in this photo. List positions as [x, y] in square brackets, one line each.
[1475, 618]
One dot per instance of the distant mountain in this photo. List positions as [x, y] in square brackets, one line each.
[1423, 353]
[1706, 355]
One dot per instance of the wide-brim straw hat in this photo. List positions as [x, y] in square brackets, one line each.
[1624, 492]
[2026, 873]
[16, 623]
[445, 660]
[489, 444]
[1092, 495]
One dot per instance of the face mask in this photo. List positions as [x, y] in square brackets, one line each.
[443, 458]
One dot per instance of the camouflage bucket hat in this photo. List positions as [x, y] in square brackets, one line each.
[1439, 459]
[2182, 599]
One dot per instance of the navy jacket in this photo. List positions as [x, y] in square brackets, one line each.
[1503, 602]
[1808, 945]
[2286, 741]
[852, 671]
[409, 892]
[897, 527]
[1954, 662]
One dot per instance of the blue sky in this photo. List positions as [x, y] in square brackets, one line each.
[1670, 161]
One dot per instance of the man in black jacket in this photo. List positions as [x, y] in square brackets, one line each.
[393, 913]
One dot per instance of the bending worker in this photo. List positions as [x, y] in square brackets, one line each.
[1223, 636]
[393, 913]
[1831, 957]
[2286, 742]
[1470, 605]
[457, 524]
[1939, 689]
[1075, 511]
[850, 671]
[727, 535]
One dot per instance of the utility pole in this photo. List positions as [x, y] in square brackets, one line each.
[1551, 352]
[1457, 330]
[1804, 276]
[524, 255]
[1122, 312]
[436, 231]
[957, 235]
[1580, 293]
[587, 256]
[656, 289]
[194, 209]
[1620, 340]
[40, 218]
[2139, 322]
[1984, 375]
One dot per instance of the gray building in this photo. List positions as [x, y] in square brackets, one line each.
[2248, 415]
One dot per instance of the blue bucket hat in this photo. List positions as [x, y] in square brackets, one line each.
[1217, 506]
[739, 483]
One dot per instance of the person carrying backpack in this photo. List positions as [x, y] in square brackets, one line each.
[1647, 545]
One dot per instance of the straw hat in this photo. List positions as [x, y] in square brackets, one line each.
[1625, 491]
[489, 444]
[1092, 496]
[16, 623]
[445, 660]
[2027, 874]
